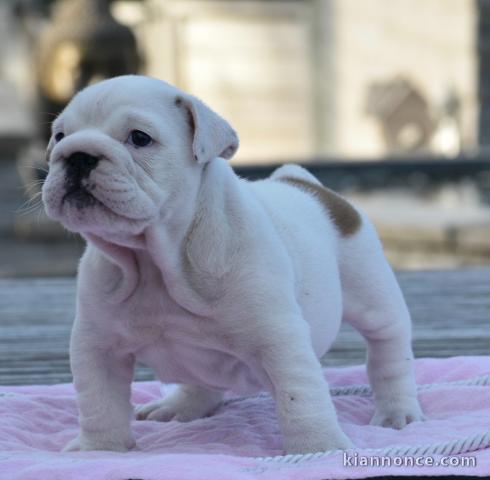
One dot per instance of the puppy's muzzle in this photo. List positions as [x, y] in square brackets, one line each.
[78, 167]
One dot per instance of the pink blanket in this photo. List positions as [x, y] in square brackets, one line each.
[36, 421]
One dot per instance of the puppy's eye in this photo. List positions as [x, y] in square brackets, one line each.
[139, 138]
[59, 136]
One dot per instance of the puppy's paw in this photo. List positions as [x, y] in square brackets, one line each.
[308, 444]
[167, 409]
[397, 415]
[82, 444]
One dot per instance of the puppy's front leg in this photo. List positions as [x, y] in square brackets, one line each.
[304, 407]
[102, 380]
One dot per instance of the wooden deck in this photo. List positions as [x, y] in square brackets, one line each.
[450, 309]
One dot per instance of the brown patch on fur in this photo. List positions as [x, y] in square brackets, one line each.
[345, 217]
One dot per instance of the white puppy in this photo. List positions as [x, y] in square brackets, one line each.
[215, 282]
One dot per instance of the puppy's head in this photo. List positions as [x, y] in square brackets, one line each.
[123, 149]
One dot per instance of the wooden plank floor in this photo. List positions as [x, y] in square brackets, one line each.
[450, 310]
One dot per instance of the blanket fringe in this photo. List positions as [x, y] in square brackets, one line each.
[365, 390]
[480, 381]
[472, 443]
[468, 444]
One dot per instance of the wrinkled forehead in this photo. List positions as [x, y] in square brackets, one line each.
[124, 96]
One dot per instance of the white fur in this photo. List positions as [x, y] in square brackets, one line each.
[215, 282]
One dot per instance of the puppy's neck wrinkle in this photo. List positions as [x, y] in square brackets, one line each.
[196, 254]
[125, 259]
[210, 246]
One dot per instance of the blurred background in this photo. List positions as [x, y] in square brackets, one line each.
[386, 101]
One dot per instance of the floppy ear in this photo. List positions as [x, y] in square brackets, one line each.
[213, 136]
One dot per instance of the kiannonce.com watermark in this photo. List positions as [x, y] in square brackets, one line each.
[356, 460]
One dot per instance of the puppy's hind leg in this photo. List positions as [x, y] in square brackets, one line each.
[186, 403]
[374, 305]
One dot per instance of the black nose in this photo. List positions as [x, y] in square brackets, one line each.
[79, 165]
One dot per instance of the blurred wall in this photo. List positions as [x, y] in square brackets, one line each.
[252, 61]
[295, 76]
[432, 43]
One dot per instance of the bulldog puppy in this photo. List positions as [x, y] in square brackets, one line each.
[215, 282]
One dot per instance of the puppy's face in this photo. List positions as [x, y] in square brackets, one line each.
[123, 149]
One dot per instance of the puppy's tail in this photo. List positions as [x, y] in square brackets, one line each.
[292, 170]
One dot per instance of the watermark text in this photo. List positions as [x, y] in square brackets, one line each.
[356, 460]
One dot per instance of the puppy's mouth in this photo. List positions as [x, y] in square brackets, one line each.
[100, 199]
[79, 197]
[86, 202]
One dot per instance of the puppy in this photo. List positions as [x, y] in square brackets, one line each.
[215, 282]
